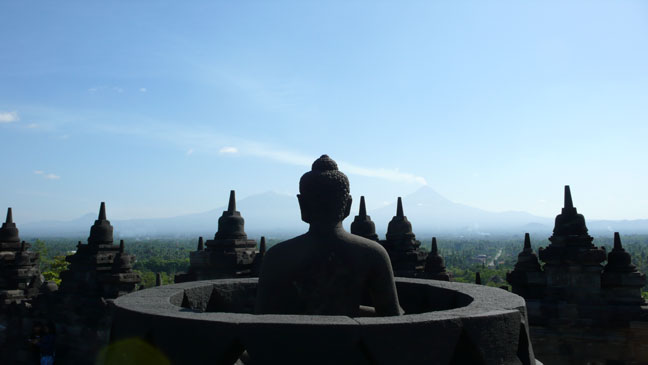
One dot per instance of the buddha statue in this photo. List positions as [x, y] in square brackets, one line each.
[327, 270]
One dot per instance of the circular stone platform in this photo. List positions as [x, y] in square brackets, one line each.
[210, 322]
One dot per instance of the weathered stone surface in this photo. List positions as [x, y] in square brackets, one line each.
[573, 264]
[485, 324]
[230, 254]
[362, 224]
[580, 312]
[434, 266]
[326, 271]
[20, 277]
[100, 268]
[622, 282]
[407, 258]
[527, 278]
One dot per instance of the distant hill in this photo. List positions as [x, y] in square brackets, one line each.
[277, 215]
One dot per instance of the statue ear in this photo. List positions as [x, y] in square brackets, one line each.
[347, 208]
[304, 208]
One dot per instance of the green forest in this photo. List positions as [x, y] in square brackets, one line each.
[492, 257]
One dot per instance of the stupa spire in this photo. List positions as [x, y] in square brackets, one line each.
[435, 249]
[9, 216]
[231, 207]
[569, 204]
[102, 212]
[527, 242]
[363, 208]
[617, 242]
[121, 246]
[399, 208]
[201, 245]
[478, 278]
[262, 246]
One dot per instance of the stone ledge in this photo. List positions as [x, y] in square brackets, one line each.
[486, 326]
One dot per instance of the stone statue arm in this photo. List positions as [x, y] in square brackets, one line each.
[267, 301]
[382, 287]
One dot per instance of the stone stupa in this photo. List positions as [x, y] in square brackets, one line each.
[527, 278]
[407, 258]
[230, 254]
[572, 263]
[434, 265]
[20, 277]
[100, 268]
[362, 224]
[621, 281]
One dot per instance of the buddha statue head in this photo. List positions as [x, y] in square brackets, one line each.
[324, 197]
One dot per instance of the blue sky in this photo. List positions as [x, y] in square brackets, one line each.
[160, 108]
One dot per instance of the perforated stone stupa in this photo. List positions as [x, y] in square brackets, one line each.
[621, 281]
[100, 268]
[20, 278]
[527, 278]
[572, 263]
[434, 264]
[407, 258]
[362, 224]
[230, 254]
[573, 294]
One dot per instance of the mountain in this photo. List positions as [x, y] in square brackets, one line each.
[268, 213]
[277, 215]
[431, 213]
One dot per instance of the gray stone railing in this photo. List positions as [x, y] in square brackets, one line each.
[211, 322]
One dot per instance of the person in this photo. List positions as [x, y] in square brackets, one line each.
[327, 270]
[34, 338]
[47, 344]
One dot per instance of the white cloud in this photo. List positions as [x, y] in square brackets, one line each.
[298, 159]
[190, 152]
[228, 150]
[382, 173]
[32, 125]
[9, 117]
[214, 142]
[142, 89]
[118, 89]
[47, 175]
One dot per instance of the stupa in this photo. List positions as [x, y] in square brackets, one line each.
[621, 281]
[572, 263]
[20, 278]
[527, 278]
[100, 268]
[362, 224]
[434, 265]
[583, 313]
[407, 258]
[230, 254]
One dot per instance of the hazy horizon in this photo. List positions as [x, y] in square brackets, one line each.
[159, 109]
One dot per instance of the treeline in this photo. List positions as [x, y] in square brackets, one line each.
[492, 257]
[160, 255]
